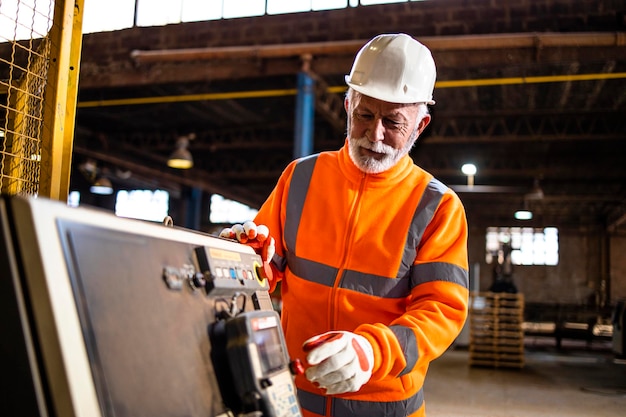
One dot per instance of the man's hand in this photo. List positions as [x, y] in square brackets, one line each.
[341, 361]
[257, 237]
[248, 231]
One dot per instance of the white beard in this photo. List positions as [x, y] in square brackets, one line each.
[390, 155]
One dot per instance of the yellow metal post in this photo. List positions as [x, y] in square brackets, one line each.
[60, 99]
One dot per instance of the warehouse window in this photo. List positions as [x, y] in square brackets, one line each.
[528, 246]
[142, 204]
[73, 199]
[106, 15]
[228, 211]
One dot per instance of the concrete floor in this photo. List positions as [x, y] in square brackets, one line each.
[571, 382]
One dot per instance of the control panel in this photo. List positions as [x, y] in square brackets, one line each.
[226, 271]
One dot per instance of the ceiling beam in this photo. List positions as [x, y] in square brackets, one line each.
[150, 67]
[437, 43]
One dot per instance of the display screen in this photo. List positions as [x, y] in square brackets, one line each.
[269, 346]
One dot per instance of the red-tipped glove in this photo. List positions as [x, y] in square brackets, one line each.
[340, 361]
[257, 237]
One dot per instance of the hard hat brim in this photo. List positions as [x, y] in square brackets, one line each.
[380, 95]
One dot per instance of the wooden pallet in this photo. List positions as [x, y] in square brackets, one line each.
[496, 333]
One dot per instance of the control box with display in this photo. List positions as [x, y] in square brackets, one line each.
[260, 365]
[227, 271]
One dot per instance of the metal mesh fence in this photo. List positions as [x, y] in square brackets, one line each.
[24, 63]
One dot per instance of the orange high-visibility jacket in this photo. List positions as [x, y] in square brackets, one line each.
[383, 256]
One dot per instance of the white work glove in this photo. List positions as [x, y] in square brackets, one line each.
[340, 361]
[257, 237]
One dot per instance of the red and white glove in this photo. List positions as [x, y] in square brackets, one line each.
[248, 231]
[340, 361]
[257, 237]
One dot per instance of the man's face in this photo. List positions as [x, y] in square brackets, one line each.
[381, 133]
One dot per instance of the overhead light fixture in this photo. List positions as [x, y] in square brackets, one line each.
[181, 157]
[470, 171]
[102, 186]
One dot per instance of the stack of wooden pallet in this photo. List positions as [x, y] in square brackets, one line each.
[496, 333]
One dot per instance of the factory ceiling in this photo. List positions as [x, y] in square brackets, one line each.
[539, 108]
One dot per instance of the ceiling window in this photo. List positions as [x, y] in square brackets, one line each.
[108, 15]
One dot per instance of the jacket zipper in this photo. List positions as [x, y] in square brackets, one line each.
[354, 210]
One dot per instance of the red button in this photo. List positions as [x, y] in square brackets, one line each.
[296, 367]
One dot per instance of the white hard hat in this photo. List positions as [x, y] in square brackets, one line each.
[394, 68]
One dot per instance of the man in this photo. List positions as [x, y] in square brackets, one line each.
[370, 249]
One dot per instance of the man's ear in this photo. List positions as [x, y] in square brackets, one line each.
[423, 123]
[346, 104]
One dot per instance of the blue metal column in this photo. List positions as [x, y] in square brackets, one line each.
[194, 207]
[305, 114]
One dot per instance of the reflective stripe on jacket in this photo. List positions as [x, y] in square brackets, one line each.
[384, 256]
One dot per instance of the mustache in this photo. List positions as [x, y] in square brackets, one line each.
[377, 147]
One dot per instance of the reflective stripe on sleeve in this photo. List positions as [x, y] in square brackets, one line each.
[424, 213]
[439, 271]
[340, 407]
[407, 340]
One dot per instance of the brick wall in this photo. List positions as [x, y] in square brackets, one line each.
[576, 281]
[427, 18]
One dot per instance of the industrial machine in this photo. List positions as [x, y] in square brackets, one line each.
[107, 316]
